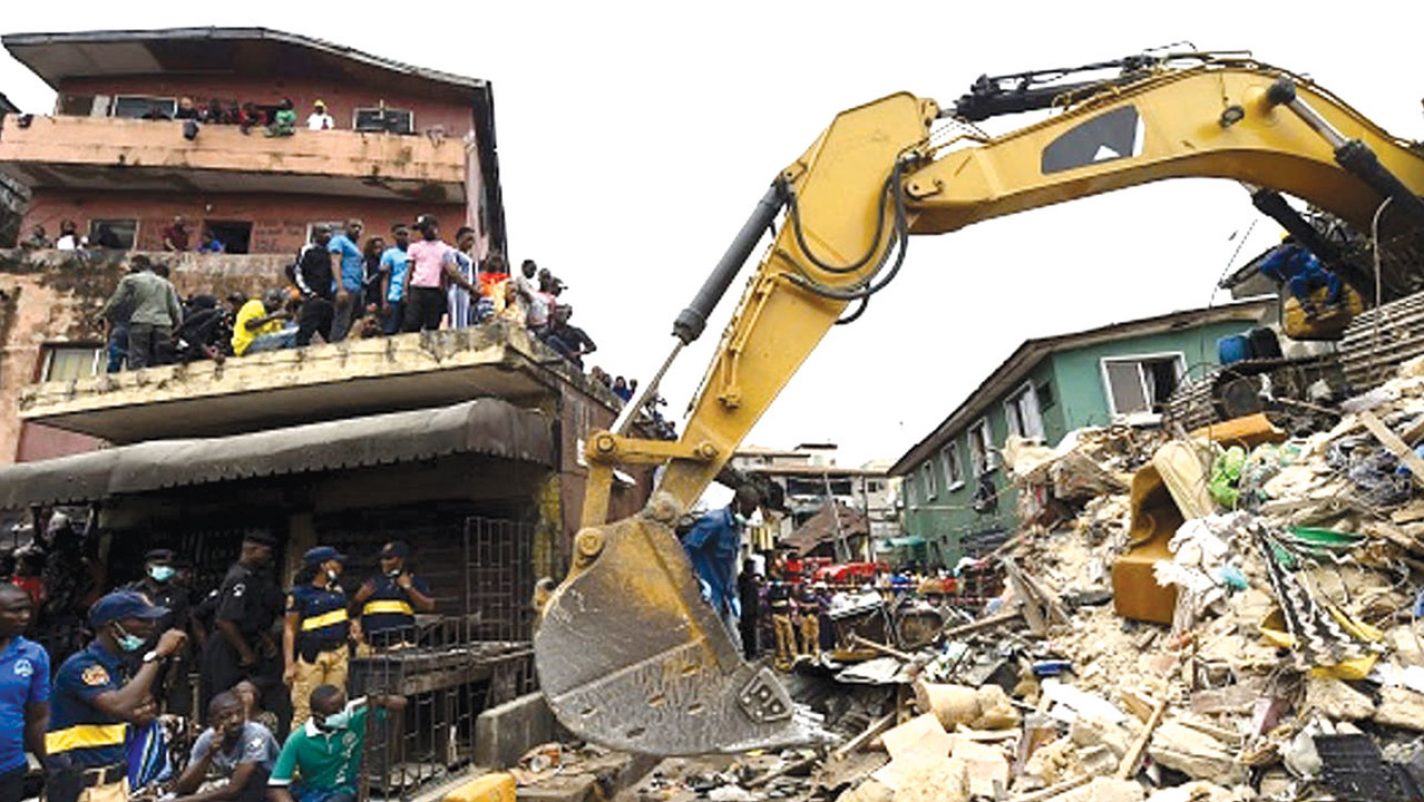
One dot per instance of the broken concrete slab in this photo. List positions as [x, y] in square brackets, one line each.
[1401, 707]
[1194, 753]
[986, 767]
[1337, 700]
[559, 788]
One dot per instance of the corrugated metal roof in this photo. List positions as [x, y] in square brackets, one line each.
[488, 426]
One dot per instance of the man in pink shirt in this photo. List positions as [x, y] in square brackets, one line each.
[432, 269]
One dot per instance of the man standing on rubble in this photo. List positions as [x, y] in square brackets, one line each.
[713, 545]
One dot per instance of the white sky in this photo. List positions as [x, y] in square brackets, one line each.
[635, 138]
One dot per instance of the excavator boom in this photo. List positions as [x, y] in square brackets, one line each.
[627, 653]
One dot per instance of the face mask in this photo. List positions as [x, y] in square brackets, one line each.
[332, 576]
[394, 573]
[337, 721]
[740, 518]
[127, 642]
[161, 573]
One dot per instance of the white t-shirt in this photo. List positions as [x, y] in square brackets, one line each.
[318, 121]
[70, 242]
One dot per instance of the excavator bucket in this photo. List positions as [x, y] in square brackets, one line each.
[630, 657]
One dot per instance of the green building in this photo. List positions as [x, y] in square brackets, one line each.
[957, 500]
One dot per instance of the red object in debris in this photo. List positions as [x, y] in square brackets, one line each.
[850, 573]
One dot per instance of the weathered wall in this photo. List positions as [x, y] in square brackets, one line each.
[279, 222]
[55, 297]
[342, 99]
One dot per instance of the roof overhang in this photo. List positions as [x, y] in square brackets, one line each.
[486, 426]
[57, 57]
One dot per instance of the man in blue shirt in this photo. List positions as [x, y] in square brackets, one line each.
[237, 750]
[24, 693]
[714, 546]
[386, 604]
[350, 277]
[95, 702]
[1298, 269]
[394, 262]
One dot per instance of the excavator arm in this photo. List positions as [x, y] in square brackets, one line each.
[627, 653]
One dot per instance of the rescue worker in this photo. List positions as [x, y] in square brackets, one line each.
[778, 600]
[713, 545]
[316, 630]
[808, 605]
[160, 586]
[386, 604]
[240, 645]
[95, 701]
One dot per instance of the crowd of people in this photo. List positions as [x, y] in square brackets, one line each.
[99, 680]
[343, 285]
[276, 120]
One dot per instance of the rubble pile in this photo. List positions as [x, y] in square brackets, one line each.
[1229, 614]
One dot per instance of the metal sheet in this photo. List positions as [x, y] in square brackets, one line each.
[485, 426]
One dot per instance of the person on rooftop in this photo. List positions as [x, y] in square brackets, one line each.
[284, 122]
[176, 236]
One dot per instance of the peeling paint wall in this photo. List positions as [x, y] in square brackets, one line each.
[49, 297]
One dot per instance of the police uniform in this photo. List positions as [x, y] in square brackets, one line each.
[251, 600]
[86, 747]
[387, 617]
[173, 677]
[323, 628]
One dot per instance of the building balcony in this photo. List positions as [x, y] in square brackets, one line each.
[106, 153]
[304, 385]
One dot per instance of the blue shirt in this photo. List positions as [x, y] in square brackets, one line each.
[79, 735]
[24, 680]
[389, 609]
[324, 624]
[395, 261]
[353, 264]
[713, 545]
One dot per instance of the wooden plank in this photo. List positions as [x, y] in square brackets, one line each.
[984, 623]
[1128, 767]
[1395, 445]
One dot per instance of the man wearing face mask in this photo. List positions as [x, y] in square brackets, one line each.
[321, 760]
[158, 585]
[387, 603]
[95, 701]
[714, 545]
[316, 629]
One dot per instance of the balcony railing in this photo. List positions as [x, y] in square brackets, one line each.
[105, 152]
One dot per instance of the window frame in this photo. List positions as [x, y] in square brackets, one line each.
[949, 454]
[137, 223]
[50, 349]
[356, 117]
[991, 462]
[1179, 359]
[150, 99]
[927, 474]
[1012, 412]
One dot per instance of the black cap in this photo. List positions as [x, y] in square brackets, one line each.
[396, 548]
[260, 538]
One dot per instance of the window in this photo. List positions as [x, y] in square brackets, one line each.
[981, 448]
[1045, 395]
[1021, 411]
[874, 486]
[235, 235]
[136, 106]
[953, 470]
[71, 361]
[395, 121]
[927, 471]
[1141, 385]
[115, 234]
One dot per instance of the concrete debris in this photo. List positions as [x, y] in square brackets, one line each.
[1178, 613]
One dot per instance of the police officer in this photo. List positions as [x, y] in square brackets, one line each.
[160, 586]
[241, 645]
[387, 603]
[316, 630]
[95, 701]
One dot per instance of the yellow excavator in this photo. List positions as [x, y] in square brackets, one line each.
[627, 653]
